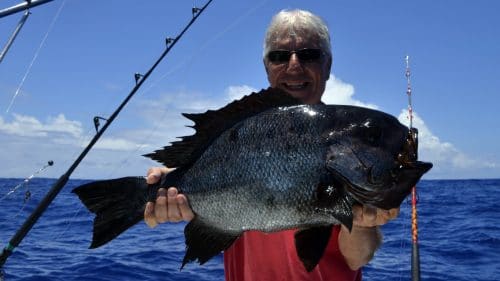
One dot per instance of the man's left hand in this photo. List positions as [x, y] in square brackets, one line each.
[368, 216]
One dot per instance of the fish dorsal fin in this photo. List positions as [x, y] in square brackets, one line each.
[213, 123]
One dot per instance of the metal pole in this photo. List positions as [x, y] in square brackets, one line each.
[21, 7]
[14, 35]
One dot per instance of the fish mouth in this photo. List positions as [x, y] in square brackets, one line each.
[404, 180]
[420, 166]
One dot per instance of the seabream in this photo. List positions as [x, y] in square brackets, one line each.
[268, 163]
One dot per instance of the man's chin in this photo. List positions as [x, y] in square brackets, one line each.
[305, 97]
[300, 94]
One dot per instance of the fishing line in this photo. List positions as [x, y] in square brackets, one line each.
[189, 61]
[185, 62]
[42, 43]
[28, 193]
[27, 180]
[68, 223]
[27, 196]
[403, 245]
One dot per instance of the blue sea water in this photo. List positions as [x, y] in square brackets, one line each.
[459, 238]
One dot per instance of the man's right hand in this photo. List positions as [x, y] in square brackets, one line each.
[170, 206]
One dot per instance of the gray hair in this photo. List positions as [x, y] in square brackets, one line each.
[300, 23]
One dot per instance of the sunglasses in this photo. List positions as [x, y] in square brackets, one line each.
[304, 55]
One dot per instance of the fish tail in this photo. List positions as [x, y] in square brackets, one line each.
[118, 204]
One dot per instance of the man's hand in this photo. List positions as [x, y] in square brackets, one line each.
[367, 216]
[359, 245]
[170, 206]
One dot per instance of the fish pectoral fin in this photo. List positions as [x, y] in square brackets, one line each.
[343, 211]
[333, 199]
[204, 241]
[311, 243]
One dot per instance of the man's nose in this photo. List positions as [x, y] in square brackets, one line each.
[294, 64]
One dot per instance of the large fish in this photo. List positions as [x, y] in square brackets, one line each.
[269, 163]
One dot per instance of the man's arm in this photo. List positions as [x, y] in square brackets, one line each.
[358, 246]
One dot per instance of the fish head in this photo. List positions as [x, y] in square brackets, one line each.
[372, 155]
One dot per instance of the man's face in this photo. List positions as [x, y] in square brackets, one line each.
[305, 80]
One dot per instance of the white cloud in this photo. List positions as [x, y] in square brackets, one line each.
[29, 126]
[164, 113]
[28, 143]
[59, 131]
[448, 160]
[111, 143]
[339, 92]
[237, 92]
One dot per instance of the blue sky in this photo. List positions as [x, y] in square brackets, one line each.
[84, 67]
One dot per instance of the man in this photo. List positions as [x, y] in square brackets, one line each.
[297, 59]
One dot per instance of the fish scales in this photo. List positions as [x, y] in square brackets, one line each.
[272, 164]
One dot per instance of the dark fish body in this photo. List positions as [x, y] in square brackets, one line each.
[267, 163]
[263, 173]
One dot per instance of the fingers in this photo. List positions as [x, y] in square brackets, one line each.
[368, 216]
[149, 215]
[170, 206]
[186, 212]
[173, 212]
[178, 208]
[154, 174]
[156, 212]
[161, 206]
[393, 213]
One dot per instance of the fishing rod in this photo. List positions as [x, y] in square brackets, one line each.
[27, 180]
[26, 5]
[20, 25]
[14, 9]
[415, 256]
[59, 184]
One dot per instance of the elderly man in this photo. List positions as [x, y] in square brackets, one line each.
[297, 59]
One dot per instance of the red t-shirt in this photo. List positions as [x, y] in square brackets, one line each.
[272, 256]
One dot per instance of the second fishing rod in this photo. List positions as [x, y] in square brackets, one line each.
[61, 182]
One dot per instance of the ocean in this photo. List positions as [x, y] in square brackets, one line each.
[459, 238]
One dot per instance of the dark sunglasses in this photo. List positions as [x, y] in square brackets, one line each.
[304, 55]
